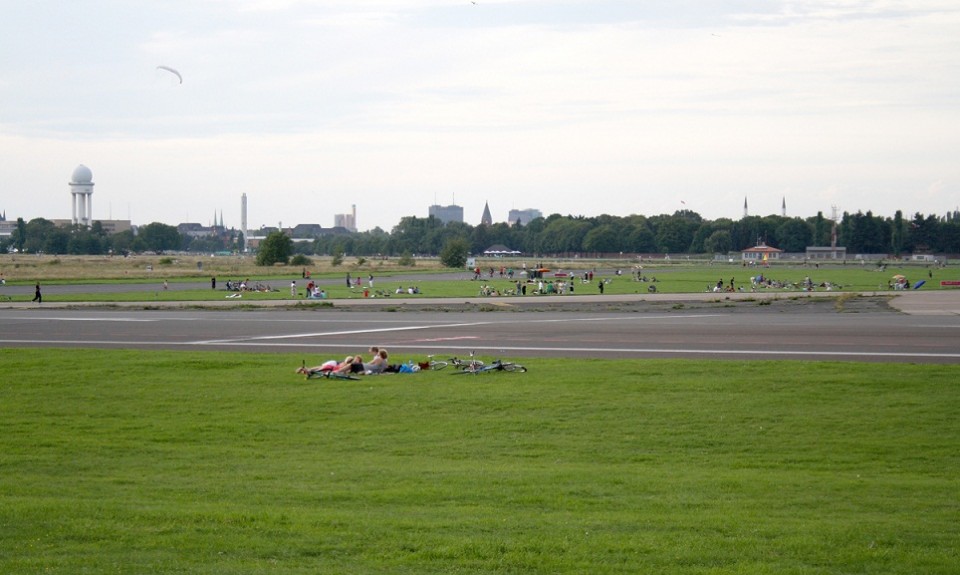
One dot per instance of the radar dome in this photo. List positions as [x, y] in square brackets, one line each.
[82, 175]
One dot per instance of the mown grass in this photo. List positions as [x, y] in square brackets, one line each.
[179, 462]
[685, 278]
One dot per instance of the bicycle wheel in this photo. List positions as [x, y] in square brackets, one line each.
[438, 365]
[514, 367]
[468, 370]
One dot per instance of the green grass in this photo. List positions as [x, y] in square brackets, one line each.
[676, 279]
[673, 277]
[179, 462]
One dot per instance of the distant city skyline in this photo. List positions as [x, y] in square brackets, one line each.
[81, 179]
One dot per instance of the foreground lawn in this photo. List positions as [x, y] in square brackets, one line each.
[167, 462]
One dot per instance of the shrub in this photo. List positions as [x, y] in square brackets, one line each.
[301, 260]
[407, 260]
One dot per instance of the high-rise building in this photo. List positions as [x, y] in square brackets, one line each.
[523, 217]
[446, 214]
[346, 221]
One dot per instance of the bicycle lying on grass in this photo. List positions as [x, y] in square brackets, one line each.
[496, 365]
[437, 364]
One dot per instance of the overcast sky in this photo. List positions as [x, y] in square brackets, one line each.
[573, 107]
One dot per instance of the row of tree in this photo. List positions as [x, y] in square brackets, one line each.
[43, 236]
[684, 232]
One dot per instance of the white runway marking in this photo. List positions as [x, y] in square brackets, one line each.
[110, 319]
[429, 326]
[333, 333]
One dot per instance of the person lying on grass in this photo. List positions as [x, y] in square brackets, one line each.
[352, 365]
[325, 367]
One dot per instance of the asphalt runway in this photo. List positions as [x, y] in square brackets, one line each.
[798, 333]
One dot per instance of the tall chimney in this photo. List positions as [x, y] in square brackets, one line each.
[243, 220]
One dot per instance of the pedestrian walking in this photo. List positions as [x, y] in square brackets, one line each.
[37, 297]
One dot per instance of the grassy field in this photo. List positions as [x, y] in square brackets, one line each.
[178, 462]
[154, 268]
[182, 275]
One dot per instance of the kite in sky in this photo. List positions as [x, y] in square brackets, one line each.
[172, 71]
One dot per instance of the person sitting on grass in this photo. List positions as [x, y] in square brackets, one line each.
[378, 364]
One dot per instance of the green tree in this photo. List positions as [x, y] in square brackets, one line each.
[822, 230]
[718, 242]
[563, 235]
[124, 242]
[674, 235]
[159, 237]
[602, 239]
[794, 235]
[275, 248]
[897, 233]
[20, 235]
[454, 253]
[638, 236]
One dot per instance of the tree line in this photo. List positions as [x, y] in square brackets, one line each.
[43, 236]
[683, 232]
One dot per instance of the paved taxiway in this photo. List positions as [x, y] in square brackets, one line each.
[925, 329]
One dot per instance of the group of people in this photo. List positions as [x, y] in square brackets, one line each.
[355, 365]
[314, 291]
[505, 272]
[548, 287]
[243, 285]
[356, 282]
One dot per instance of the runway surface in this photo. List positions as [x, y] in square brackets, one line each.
[800, 332]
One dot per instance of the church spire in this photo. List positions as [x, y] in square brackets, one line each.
[486, 219]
